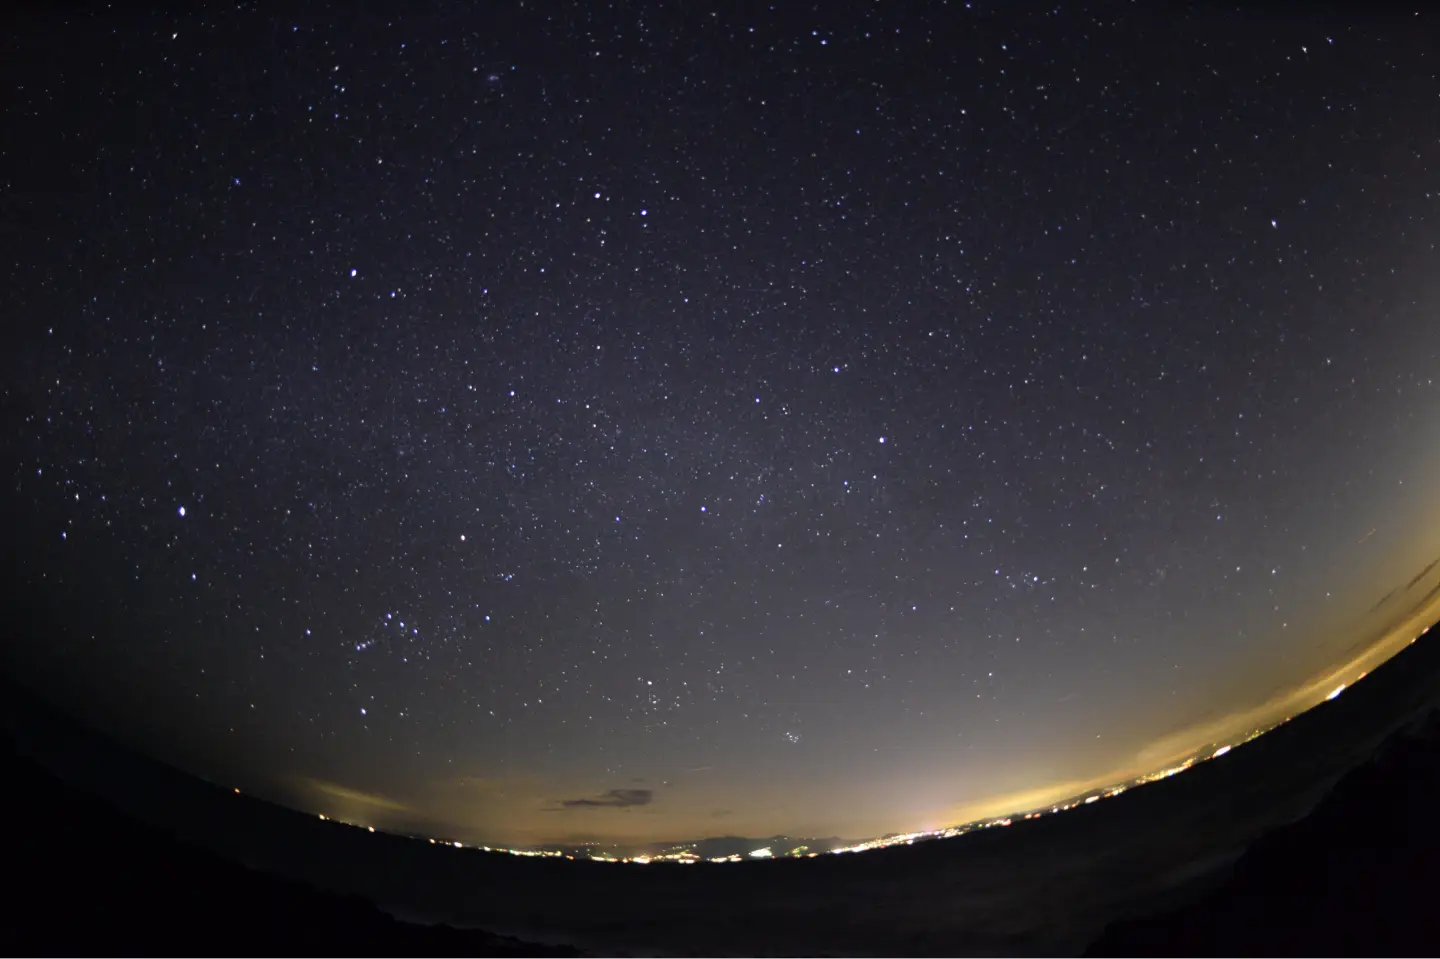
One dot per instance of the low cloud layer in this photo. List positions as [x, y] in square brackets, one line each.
[615, 798]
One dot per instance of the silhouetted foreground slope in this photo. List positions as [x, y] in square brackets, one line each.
[86, 879]
[1358, 876]
[167, 863]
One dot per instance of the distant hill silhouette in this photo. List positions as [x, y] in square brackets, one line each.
[1355, 877]
[94, 881]
[1199, 863]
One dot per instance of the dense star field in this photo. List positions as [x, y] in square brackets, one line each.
[539, 422]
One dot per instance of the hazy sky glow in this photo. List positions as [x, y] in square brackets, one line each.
[531, 426]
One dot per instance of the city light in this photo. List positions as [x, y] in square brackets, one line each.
[687, 856]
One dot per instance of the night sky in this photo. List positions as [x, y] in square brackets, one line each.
[535, 421]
